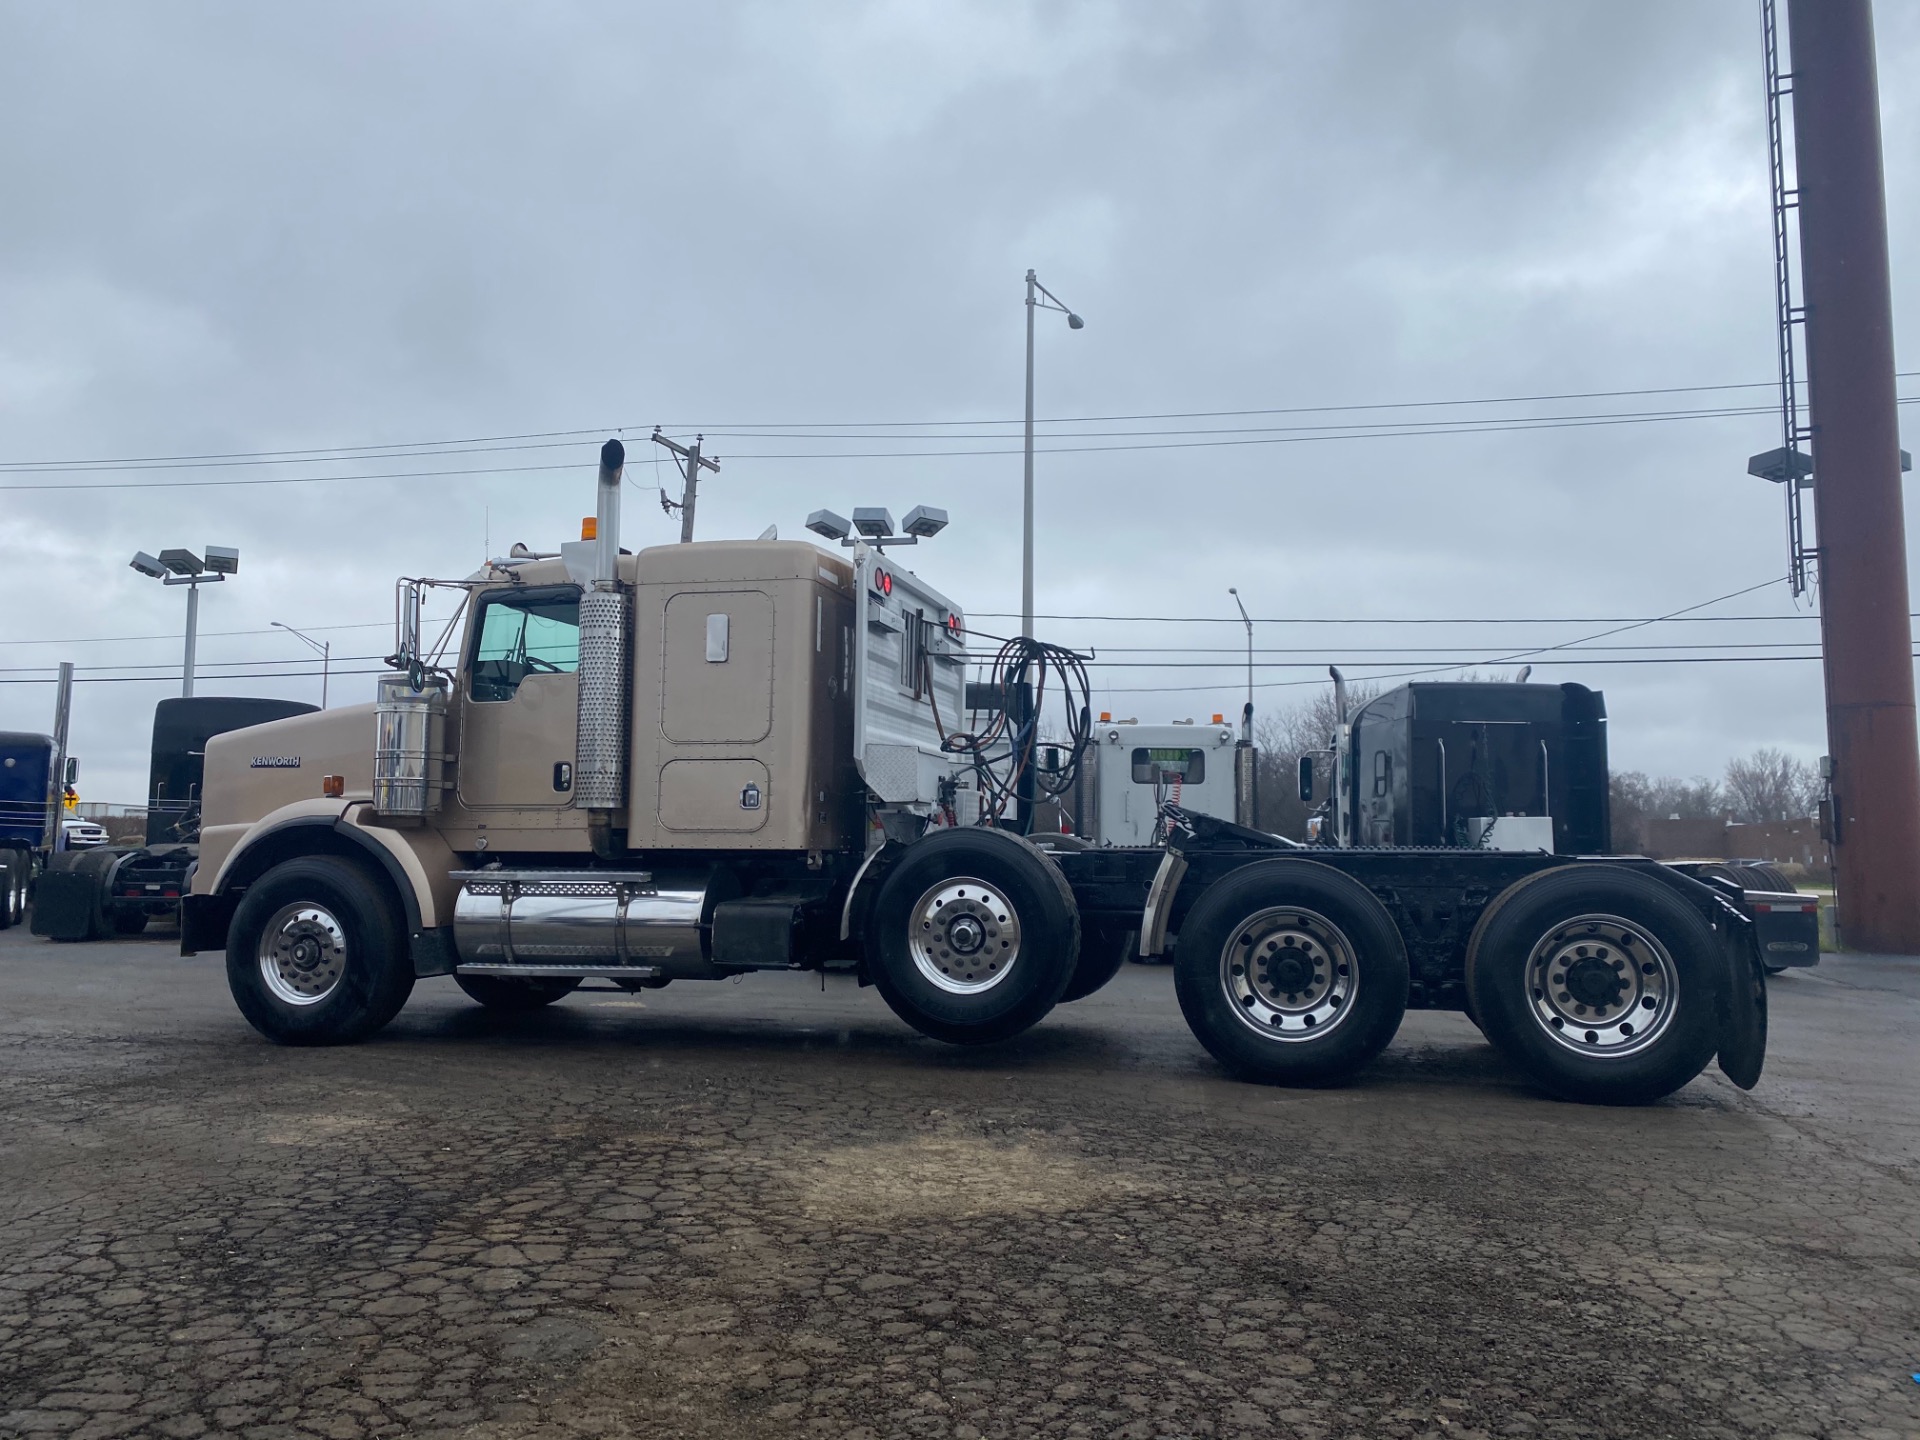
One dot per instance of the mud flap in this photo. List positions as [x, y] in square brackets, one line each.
[1743, 1010]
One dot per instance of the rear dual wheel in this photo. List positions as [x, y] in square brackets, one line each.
[1291, 973]
[1598, 981]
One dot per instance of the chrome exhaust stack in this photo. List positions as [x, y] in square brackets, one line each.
[600, 761]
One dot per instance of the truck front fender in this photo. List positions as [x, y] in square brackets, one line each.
[418, 862]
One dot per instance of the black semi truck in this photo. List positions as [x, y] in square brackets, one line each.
[1474, 765]
[89, 894]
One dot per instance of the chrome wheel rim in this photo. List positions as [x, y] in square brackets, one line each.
[964, 935]
[302, 953]
[1290, 973]
[1603, 986]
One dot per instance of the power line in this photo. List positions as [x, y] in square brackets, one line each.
[1291, 439]
[549, 439]
[206, 634]
[173, 679]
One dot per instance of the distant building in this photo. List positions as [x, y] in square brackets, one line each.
[1779, 842]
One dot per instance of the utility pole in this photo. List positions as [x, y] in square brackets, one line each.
[690, 461]
[1867, 639]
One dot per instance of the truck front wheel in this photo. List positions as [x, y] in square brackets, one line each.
[315, 954]
[1291, 973]
[1597, 981]
[974, 936]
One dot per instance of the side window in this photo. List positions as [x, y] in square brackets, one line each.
[1382, 772]
[534, 633]
[1157, 766]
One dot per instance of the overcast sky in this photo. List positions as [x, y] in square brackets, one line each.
[245, 228]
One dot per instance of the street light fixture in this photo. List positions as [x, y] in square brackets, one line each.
[183, 567]
[1034, 290]
[325, 647]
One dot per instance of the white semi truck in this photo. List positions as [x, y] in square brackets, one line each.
[711, 759]
[1138, 769]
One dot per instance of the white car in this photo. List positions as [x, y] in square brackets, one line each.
[81, 835]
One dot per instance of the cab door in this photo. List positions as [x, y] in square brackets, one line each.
[519, 711]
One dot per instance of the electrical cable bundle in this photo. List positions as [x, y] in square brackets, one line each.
[1023, 666]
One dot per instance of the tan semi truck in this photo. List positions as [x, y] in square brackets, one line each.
[685, 764]
[715, 758]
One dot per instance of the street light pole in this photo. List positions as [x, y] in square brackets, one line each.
[1034, 291]
[1026, 493]
[1249, 624]
[325, 647]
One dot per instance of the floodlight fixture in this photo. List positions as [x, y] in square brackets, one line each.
[182, 562]
[828, 525]
[183, 567]
[1782, 465]
[873, 521]
[925, 521]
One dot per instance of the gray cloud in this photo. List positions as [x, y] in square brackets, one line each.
[239, 228]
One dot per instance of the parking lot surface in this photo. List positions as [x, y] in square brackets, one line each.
[769, 1209]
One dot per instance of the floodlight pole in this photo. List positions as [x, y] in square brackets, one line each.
[193, 635]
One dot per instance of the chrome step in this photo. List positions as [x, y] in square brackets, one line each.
[586, 968]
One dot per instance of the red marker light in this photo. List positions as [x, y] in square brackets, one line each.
[883, 581]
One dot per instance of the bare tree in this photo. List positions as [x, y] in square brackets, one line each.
[1635, 799]
[1771, 785]
[1305, 727]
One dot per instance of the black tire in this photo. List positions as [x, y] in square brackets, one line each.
[516, 996]
[1641, 974]
[128, 922]
[1306, 924]
[355, 969]
[9, 889]
[993, 984]
[1103, 951]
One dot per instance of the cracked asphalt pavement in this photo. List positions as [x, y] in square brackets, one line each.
[769, 1209]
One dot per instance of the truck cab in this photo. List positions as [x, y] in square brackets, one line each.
[1138, 768]
[1470, 765]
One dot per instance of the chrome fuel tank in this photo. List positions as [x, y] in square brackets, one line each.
[601, 920]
